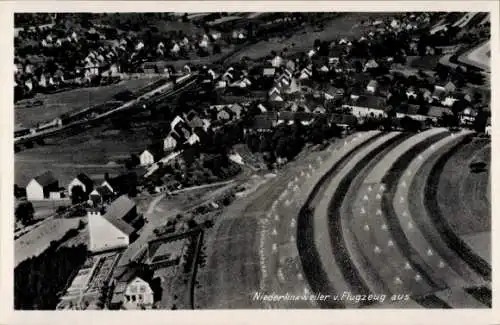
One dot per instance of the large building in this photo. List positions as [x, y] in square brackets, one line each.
[44, 186]
[114, 228]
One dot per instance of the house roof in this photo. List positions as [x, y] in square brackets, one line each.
[46, 179]
[85, 180]
[370, 102]
[372, 83]
[343, 119]
[437, 111]
[263, 121]
[103, 191]
[117, 210]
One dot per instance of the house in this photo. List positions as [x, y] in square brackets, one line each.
[101, 194]
[319, 110]
[371, 64]
[268, 72]
[372, 86]
[305, 74]
[138, 294]
[277, 61]
[236, 109]
[193, 139]
[395, 24]
[368, 105]
[41, 187]
[487, 129]
[224, 114]
[262, 123]
[450, 87]
[448, 101]
[426, 94]
[193, 120]
[83, 181]
[170, 142]
[150, 155]
[114, 229]
[274, 91]
[437, 112]
[179, 126]
[410, 93]
[468, 116]
[439, 93]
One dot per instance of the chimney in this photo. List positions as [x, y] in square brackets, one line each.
[106, 176]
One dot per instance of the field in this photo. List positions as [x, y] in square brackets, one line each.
[93, 152]
[36, 241]
[71, 101]
[479, 57]
[462, 195]
[345, 26]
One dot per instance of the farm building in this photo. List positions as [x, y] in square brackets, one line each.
[114, 228]
[101, 194]
[42, 187]
[150, 155]
[83, 181]
[169, 143]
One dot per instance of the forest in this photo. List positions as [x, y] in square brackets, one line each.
[39, 281]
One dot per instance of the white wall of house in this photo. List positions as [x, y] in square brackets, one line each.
[34, 191]
[487, 130]
[103, 235]
[137, 293]
[365, 111]
[76, 182]
[55, 195]
[169, 143]
[146, 158]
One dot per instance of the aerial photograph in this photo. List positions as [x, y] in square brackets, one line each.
[252, 160]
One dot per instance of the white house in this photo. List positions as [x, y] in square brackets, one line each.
[147, 158]
[169, 143]
[193, 139]
[41, 187]
[277, 61]
[372, 86]
[138, 293]
[83, 181]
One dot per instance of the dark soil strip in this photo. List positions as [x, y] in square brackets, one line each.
[309, 256]
[342, 256]
[391, 180]
[431, 302]
[452, 240]
[481, 294]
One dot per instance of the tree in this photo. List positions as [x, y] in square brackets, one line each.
[480, 121]
[25, 212]
[78, 195]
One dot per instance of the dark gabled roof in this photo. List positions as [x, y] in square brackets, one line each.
[85, 180]
[117, 210]
[46, 179]
[436, 111]
[263, 121]
[369, 101]
[344, 119]
[104, 191]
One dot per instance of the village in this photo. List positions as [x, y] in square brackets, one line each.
[240, 125]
